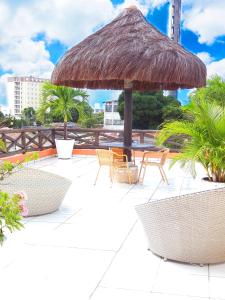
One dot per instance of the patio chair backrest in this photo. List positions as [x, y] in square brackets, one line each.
[104, 157]
[164, 152]
[119, 160]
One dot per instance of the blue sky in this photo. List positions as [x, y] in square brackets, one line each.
[41, 31]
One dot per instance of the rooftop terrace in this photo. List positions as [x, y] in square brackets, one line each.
[94, 247]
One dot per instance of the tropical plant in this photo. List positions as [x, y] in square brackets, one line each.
[150, 109]
[7, 167]
[203, 138]
[214, 91]
[60, 101]
[12, 210]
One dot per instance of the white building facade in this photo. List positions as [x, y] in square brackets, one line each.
[112, 118]
[22, 92]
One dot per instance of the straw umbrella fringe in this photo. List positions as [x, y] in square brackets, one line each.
[129, 53]
[129, 48]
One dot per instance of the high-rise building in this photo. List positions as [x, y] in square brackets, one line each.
[112, 118]
[23, 91]
[174, 27]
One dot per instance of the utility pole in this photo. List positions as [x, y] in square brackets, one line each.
[174, 27]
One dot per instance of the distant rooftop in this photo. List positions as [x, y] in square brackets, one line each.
[26, 78]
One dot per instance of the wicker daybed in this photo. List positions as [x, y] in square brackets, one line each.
[45, 191]
[188, 228]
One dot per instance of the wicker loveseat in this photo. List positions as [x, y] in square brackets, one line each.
[45, 191]
[188, 228]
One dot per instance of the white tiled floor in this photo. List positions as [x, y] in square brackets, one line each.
[94, 247]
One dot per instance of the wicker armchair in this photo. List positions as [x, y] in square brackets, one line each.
[188, 228]
[45, 191]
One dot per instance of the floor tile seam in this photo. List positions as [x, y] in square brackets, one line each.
[125, 289]
[64, 222]
[185, 294]
[150, 292]
[154, 191]
[48, 222]
[216, 276]
[209, 277]
[33, 218]
[200, 275]
[74, 214]
[127, 192]
[92, 170]
[157, 274]
[158, 185]
[113, 258]
[68, 247]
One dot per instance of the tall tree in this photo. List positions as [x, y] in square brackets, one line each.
[213, 92]
[29, 116]
[150, 109]
[60, 101]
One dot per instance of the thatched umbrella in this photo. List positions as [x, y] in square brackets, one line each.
[130, 54]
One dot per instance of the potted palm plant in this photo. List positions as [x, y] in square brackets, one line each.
[202, 133]
[60, 101]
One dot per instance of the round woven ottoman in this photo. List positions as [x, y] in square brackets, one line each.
[45, 191]
[121, 175]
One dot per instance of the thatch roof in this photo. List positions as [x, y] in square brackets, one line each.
[129, 49]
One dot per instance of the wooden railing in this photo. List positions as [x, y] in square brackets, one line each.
[33, 139]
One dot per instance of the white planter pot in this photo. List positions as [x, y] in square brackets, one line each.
[64, 148]
[210, 185]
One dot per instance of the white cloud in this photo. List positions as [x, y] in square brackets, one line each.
[205, 18]
[3, 80]
[213, 67]
[67, 21]
[26, 57]
[216, 67]
[205, 57]
[143, 5]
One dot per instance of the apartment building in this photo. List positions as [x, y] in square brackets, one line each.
[22, 92]
[112, 118]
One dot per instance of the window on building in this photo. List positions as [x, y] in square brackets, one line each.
[108, 121]
[108, 107]
[115, 107]
[117, 122]
[172, 20]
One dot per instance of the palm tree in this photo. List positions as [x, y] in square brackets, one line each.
[203, 136]
[60, 101]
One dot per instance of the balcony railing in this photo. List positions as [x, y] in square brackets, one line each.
[36, 139]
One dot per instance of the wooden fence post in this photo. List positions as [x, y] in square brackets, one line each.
[96, 143]
[40, 140]
[142, 137]
[23, 142]
[53, 137]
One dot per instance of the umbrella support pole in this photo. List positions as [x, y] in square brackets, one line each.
[128, 111]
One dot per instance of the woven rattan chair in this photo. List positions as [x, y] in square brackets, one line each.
[117, 163]
[188, 228]
[45, 191]
[104, 159]
[120, 151]
[150, 160]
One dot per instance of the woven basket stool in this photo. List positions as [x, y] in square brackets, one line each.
[121, 175]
